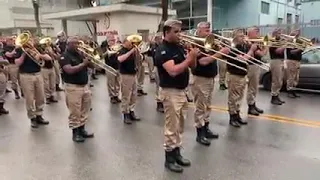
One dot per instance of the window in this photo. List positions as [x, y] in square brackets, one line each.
[280, 21]
[297, 19]
[289, 18]
[265, 7]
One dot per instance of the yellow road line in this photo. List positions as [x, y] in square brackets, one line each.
[276, 118]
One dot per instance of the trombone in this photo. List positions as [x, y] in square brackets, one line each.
[95, 58]
[209, 44]
[23, 41]
[231, 46]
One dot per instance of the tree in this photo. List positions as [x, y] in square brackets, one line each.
[164, 5]
[35, 4]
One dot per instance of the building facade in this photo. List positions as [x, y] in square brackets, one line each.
[233, 13]
[18, 15]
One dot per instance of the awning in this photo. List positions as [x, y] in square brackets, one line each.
[92, 13]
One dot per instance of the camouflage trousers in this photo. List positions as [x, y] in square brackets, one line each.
[236, 88]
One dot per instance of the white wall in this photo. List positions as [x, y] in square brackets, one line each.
[278, 9]
[310, 11]
[5, 15]
[128, 23]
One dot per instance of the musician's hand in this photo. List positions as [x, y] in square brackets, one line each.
[225, 50]
[253, 47]
[86, 61]
[194, 52]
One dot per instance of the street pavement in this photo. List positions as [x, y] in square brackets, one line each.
[283, 144]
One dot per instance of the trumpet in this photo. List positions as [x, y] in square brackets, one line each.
[95, 58]
[23, 41]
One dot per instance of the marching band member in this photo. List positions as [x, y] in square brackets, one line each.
[277, 69]
[9, 53]
[32, 83]
[113, 82]
[127, 57]
[61, 47]
[237, 78]
[254, 74]
[174, 78]
[3, 84]
[140, 76]
[293, 67]
[48, 73]
[202, 88]
[78, 95]
[157, 42]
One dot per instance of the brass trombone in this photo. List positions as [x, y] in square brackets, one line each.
[209, 44]
[95, 58]
[230, 45]
[23, 41]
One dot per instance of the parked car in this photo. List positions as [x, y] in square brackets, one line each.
[309, 78]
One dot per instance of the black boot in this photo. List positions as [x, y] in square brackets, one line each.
[34, 123]
[223, 87]
[275, 100]
[117, 99]
[22, 95]
[208, 133]
[179, 159]
[170, 162]
[16, 93]
[53, 100]
[257, 109]
[252, 110]
[295, 94]
[201, 136]
[84, 133]
[58, 88]
[2, 109]
[240, 120]
[291, 94]
[127, 119]
[48, 101]
[233, 121]
[160, 107]
[113, 100]
[76, 135]
[142, 93]
[41, 121]
[133, 117]
[8, 91]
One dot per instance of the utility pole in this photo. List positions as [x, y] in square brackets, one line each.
[164, 5]
[35, 4]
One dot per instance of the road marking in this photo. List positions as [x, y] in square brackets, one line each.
[276, 118]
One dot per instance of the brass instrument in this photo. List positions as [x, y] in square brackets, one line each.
[298, 42]
[23, 41]
[231, 46]
[208, 44]
[136, 41]
[95, 58]
[114, 49]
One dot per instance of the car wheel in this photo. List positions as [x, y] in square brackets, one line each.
[266, 81]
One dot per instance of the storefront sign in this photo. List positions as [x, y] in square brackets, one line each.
[105, 33]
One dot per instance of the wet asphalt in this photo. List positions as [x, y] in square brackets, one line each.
[266, 149]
